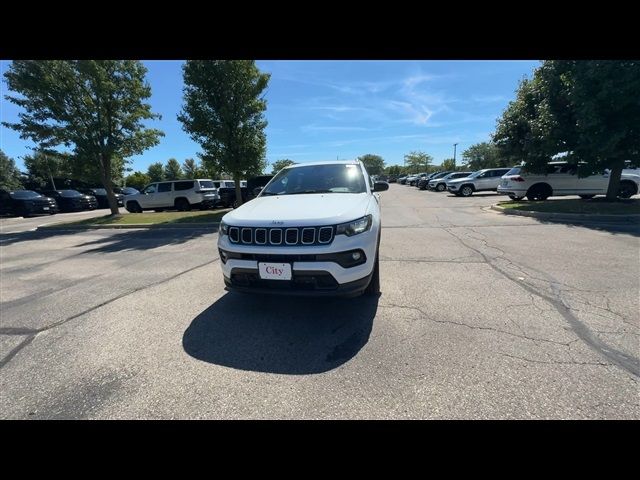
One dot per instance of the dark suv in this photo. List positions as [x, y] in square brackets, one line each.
[101, 196]
[72, 200]
[24, 203]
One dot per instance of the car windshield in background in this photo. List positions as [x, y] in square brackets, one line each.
[440, 175]
[338, 178]
[130, 191]
[24, 194]
[100, 191]
[206, 184]
[514, 171]
[70, 193]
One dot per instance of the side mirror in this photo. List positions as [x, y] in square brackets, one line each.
[380, 186]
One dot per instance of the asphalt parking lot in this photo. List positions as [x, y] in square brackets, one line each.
[482, 316]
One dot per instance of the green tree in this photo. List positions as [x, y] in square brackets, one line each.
[591, 110]
[96, 107]
[373, 163]
[517, 136]
[483, 155]
[223, 111]
[449, 165]
[9, 173]
[393, 170]
[191, 169]
[155, 172]
[417, 161]
[43, 166]
[172, 170]
[137, 180]
[280, 164]
[588, 110]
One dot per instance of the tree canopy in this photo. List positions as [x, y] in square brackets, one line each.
[373, 163]
[96, 108]
[173, 170]
[9, 173]
[394, 170]
[586, 109]
[484, 155]
[192, 169]
[280, 164]
[137, 180]
[155, 172]
[418, 161]
[448, 164]
[223, 111]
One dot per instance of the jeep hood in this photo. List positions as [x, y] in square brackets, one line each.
[300, 210]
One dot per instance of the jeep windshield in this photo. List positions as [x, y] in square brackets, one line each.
[331, 178]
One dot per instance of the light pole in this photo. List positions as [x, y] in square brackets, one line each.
[454, 155]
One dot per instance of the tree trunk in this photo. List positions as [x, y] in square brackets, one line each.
[236, 179]
[614, 180]
[105, 172]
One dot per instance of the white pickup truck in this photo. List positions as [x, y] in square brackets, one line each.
[313, 230]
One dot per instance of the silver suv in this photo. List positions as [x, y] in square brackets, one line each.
[480, 181]
[179, 194]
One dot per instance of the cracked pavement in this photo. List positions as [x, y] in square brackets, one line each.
[482, 316]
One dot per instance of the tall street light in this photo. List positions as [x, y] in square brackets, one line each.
[454, 155]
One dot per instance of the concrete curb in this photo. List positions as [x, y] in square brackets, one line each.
[177, 226]
[583, 217]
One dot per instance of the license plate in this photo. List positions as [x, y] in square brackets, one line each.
[45, 208]
[504, 183]
[274, 271]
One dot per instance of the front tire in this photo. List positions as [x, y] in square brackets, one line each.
[466, 191]
[134, 207]
[374, 285]
[441, 187]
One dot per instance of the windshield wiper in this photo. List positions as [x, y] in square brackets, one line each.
[310, 191]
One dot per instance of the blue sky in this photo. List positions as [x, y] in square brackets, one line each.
[323, 110]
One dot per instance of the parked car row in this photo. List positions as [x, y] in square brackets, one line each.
[562, 178]
[24, 203]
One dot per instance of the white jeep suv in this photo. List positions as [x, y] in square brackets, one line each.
[314, 229]
[178, 194]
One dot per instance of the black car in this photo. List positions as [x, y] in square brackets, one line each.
[72, 200]
[101, 196]
[424, 181]
[24, 203]
[126, 190]
[228, 196]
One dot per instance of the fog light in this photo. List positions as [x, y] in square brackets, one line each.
[356, 256]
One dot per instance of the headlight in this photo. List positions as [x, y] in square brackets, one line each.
[224, 228]
[355, 227]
